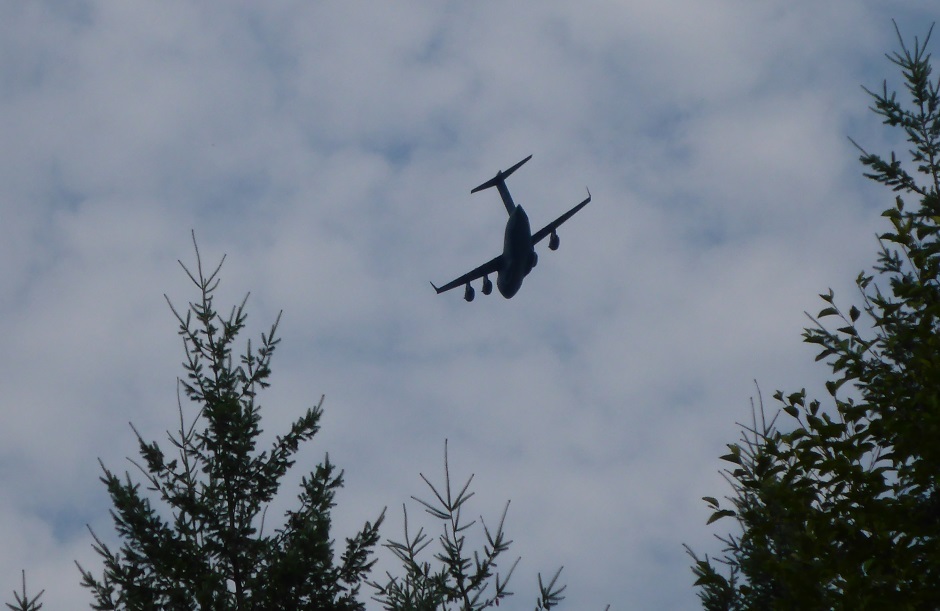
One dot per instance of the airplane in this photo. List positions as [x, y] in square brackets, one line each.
[519, 256]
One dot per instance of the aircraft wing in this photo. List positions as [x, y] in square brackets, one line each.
[547, 229]
[490, 267]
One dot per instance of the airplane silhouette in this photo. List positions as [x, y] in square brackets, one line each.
[519, 256]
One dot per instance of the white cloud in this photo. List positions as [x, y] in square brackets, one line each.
[329, 149]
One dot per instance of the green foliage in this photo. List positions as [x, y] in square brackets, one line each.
[841, 508]
[194, 537]
[23, 601]
[459, 582]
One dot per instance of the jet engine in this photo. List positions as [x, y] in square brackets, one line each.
[487, 285]
[554, 241]
[468, 293]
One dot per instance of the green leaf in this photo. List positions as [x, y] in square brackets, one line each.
[792, 411]
[833, 386]
[814, 422]
[723, 513]
[711, 501]
[796, 398]
[827, 312]
[797, 434]
[854, 313]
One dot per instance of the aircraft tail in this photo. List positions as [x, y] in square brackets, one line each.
[500, 177]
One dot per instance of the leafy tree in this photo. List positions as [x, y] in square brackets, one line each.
[840, 508]
[459, 582]
[195, 537]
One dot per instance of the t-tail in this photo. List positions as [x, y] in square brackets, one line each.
[499, 181]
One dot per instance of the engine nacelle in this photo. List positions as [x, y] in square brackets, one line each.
[554, 241]
[468, 293]
[487, 285]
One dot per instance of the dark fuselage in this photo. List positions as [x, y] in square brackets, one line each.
[518, 253]
[518, 256]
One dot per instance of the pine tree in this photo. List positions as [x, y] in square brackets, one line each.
[460, 578]
[24, 602]
[194, 536]
[840, 508]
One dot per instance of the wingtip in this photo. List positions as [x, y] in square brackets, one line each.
[437, 290]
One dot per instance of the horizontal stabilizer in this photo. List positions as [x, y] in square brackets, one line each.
[501, 176]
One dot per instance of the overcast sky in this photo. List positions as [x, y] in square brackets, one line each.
[329, 149]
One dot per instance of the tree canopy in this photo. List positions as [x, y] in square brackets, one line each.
[454, 581]
[195, 536]
[838, 505]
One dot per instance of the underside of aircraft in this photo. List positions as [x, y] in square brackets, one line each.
[518, 256]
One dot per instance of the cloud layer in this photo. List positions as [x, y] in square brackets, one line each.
[328, 150]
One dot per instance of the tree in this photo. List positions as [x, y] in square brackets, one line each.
[200, 542]
[458, 582]
[23, 601]
[840, 509]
